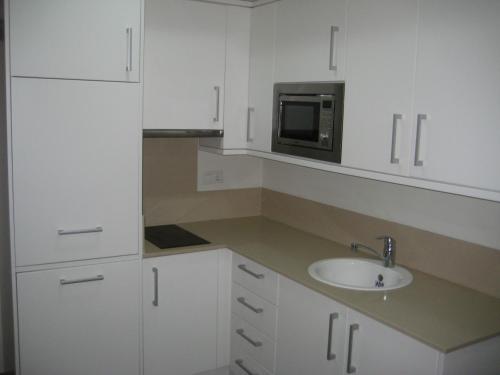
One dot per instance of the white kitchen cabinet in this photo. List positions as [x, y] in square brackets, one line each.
[236, 82]
[310, 40]
[311, 332]
[75, 152]
[80, 321]
[380, 65]
[76, 39]
[261, 78]
[184, 64]
[180, 312]
[457, 91]
[379, 350]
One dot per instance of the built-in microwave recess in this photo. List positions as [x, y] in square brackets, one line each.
[307, 120]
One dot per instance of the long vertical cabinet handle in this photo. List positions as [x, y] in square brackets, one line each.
[420, 118]
[217, 103]
[397, 117]
[155, 281]
[350, 368]
[329, 355]
[129, 50]
[333, 49]
[249, 124]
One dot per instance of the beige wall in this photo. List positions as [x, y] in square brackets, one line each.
[170, 184]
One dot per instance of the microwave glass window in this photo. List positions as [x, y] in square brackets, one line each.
[300, 121]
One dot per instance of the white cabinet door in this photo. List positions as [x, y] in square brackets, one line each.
[457, 88]
[310, 40]
[379, 350]
[76, 163]
[80, 321]
[180, 313]
[184, 64]
[380, 65]
[311, 332]
[236, 82]
[76, 39]
[260, 101]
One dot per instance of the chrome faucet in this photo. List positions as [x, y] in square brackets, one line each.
[389, 253]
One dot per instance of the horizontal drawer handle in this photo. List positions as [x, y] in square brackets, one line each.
[65, 232]
[247, 305]
[244, 268]
[240, 364]
[79, 281]
[241, 332]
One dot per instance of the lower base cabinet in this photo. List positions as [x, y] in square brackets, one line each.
[80, 321]
[318, 336]
[181, 309]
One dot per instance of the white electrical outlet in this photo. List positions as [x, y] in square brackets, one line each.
[213, 177]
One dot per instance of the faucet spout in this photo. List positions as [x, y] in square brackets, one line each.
[388, 255]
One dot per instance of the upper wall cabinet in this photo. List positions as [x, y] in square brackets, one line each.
[457, 114]
[184, 64]
[380, 65]
[310, 40]
[260, 96]
[76, 39]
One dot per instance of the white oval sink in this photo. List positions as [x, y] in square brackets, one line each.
[360, 274]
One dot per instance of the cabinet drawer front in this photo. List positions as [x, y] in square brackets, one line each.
[242, 364]
[255, 310]
[82, 320]
[76, 39]
[75, 169]
[253, 342]
[255, 278]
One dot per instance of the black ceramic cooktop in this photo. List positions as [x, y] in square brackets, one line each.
[170, 236]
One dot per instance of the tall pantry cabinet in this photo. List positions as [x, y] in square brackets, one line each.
[75, 140]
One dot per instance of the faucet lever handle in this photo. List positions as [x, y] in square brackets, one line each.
[387, 239]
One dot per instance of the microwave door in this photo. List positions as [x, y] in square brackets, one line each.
[299, 122]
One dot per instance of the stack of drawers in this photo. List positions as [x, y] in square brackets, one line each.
[253, 320]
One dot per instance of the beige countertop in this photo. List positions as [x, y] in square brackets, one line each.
[434, 311]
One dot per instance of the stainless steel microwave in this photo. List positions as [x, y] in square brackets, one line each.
[307, 120]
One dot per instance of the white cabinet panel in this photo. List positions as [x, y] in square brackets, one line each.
[75, 167]
[380, 65]
[306, 47]
[180, 331]
[260, 100]
[379, 350]
[184, 65]
[236, 82]
[311, 332]
[77, 39]
[83, 328]
[457, 88]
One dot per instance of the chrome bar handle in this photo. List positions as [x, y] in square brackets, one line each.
[239, 363]
[329, 355]
[65, 232]
[350, 368]
[249, 123]
[217, 104]
[397, 117]
[247, 305]
[244, 268]
[333, 55]
[79, 281]
[128, 67]
[241, 333]
[155, 293]
[418, 162]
